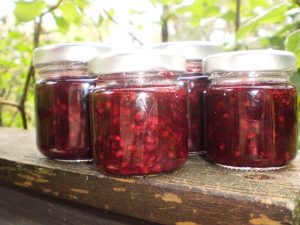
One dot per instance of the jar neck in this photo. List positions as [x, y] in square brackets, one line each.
[62, 70]
[138, 79]
[194, 66]
[249, 77]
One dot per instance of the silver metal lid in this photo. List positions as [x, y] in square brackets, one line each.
[190, 50]
[139, 61]
[251, 60]
[81, 52]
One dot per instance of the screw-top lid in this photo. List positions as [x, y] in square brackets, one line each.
[190, 50]
[79, 52]
[136, 62]
[251, 60]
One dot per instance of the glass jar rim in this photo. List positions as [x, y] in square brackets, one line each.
[251, 74]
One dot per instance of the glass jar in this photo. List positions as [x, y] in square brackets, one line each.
[138, 113]
[195, 82]
[61, 100]
[251, 109]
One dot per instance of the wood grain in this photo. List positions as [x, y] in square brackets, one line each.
[28, 208]
[199, 193]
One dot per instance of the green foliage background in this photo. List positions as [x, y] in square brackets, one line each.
[253, 24]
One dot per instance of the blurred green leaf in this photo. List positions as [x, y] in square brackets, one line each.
[229, 16]
[140, 27]
[29, 10]
[69, 12]
[293, 11]
[81, 3]
[292, 43]
[166, 2]
[132, 11]
[295, 79]
[14, 35]
[288, 27]
[297, 2]
[245, 29]
[274, 15]
[196, 9]
[61, 23]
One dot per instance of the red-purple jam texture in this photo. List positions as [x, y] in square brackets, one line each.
[139, 131]
[195, 83]
[251, 125]
[62, 118]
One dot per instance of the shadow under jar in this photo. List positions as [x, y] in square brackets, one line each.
[61, 100]
[138, 114]
[195, 83]
[251, 109]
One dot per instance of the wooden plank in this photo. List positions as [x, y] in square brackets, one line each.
[27, 208]
[199, 193]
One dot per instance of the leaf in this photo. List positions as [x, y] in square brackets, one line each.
[275, 42]
[132, 11]
[293, 11]
[167, 2]
[244, 29]
[197, 8]
[210, 10]
[274, 15]
[258, 3]
[295, 79]
[69, 12]
[61, 23]
[229, 16]
[27, 11]
[248, 7]
[287, 28]
[15, 35]
[140, 27]
[292, 43]
[81, 3]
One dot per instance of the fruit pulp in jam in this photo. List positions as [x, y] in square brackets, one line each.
[139, 131]
[62, 118]
[251, 125]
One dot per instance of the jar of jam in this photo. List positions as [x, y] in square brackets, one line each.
[251, 118]
[195, 82]
[138, 113]
[61, 100]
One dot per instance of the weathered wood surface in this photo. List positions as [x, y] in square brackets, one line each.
[21, 207]
[199, 193]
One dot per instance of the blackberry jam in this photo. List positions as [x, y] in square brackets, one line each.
[139, 122]
[251, 116]
[61, 101]
[62, 114]
[195, 82]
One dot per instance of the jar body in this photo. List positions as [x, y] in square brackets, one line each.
[139, 129]
[62, 116]
[195, 82]
[251, 123]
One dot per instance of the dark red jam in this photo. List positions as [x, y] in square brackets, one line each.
[62, 118]
[139, 130]
[251, 125]
[195, 84]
